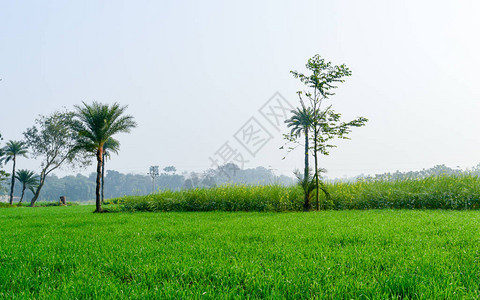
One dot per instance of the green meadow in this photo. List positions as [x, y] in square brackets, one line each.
[71, 253]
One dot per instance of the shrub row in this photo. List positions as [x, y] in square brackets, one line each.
[37, 204]
[225, 198]
[436, 192]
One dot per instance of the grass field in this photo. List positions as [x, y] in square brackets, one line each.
[69, 252]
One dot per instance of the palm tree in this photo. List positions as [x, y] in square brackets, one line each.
[110, 146]
[301, 122]
[95, 124]
[11, 151]
[28, 179]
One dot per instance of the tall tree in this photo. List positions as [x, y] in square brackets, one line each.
[96, 123]
[28, 179]
[53, 140]
[300, 123]
[324, 77]
[12, 150]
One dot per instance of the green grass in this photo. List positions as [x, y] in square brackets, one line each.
[444, 192]
[69, 252]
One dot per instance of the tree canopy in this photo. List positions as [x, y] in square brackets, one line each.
[95, 124]
[53, 140]
[321, 80]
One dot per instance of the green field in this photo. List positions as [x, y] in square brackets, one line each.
[69, 252]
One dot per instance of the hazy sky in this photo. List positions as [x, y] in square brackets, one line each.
[193, 73]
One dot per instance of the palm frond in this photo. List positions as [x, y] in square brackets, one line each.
[98, 122]
[14, 149]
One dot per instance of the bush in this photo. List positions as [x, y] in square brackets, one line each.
[435, 192]
[225, 198]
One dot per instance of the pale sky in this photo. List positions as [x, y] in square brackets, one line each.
[193, 73]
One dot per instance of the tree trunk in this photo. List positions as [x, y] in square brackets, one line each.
[37, 191]
[98, 202]
[306, 177]
[315, 144]
[103, 176]
[23, 193]
[13, 181]
[315, 154]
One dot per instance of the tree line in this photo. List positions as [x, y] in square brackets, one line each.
[116, 184]
[66, 137]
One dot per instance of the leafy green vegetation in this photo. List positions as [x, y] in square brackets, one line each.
[12, 151]
[434, 192]
[28, 179]
[95, 124]
[68, 252]
[52, 140]
[227, 198]
[325, 123]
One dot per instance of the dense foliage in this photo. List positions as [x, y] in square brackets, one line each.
[82, 188]
[95, 124]
[53, 141]
[327, 125]
[433, 192]
[226, 198]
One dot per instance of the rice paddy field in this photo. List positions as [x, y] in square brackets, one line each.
[71, 253]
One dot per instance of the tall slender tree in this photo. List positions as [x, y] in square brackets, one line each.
[324, 77]
[95, 124]
[28, 179]
[300, 123]
[12, 150]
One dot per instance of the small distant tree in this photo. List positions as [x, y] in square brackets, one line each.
[326, 124]
[228, 171]
[188, 184]
[154, 172]
[170, 169]
[28, 179]
[94, 124]
[12, 150]
[195, 179]
[53, 140]
[208, 178]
